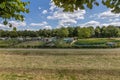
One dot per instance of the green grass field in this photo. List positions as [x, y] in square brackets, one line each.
[97, 41]
[80, 43]
[59, 64]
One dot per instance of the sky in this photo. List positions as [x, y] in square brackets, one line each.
[45, 15]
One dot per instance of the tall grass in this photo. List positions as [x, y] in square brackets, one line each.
[59, 64]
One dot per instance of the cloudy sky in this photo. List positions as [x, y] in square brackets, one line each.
[45, 15]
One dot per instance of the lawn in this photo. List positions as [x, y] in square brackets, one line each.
[60, 64]
[8, 43]
[98, 43]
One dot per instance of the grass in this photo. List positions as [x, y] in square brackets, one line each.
[30, 44]
[97, 41]
[19, 44]
[59, 64]
[81, 43]
[8, 43]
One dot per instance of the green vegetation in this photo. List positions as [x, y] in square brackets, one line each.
[61, 43]
[80, 32]
[73, 5]
[98, 42]
[8, 43]
[30, 44]
[59, 64]
[13, 43]
[10, 9]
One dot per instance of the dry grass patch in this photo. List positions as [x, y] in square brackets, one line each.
[59, 64]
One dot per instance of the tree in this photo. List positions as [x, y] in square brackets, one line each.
[54, 32]
[92, 31]
[46, 33]
[13, 34]
[71, 5]
[103, 31]
[97, 32]
[4, 33]
[112, 31]
[63, 32]
[84, 32]
[32, 33]
[76, 30]
[13, 9]
[71, 30]
[117, 32]
[14, 29]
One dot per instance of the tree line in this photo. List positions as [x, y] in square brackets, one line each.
[80, 32]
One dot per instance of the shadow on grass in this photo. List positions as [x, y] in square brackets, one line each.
[55, 53]
[114, 72]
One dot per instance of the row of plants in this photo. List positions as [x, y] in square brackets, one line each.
[81, 43]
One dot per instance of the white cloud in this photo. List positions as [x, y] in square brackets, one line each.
[2, 26]
[96, 23]
[65, 18]
[114, 20]
[43, 25]
[17, 24]
[14, 24]
[108, 14]
[52, 6]
[45, 12]
[39, 24]
[112, 23]
[47, 27]
[90, 23]
[67, 22]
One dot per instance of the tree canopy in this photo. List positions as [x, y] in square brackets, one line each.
[13, 9]
[77, 31]
[71, 5]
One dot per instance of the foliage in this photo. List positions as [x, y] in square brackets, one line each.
[13, 9]
[62, 44]
[63, 32]
[71, 31]
[72, 5]
[84, 32]
[97, 32]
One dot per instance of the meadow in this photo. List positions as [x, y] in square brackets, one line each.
[98, 43]
[60, 43]
[60, 64]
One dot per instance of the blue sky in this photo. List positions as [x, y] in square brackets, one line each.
[45, 15]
